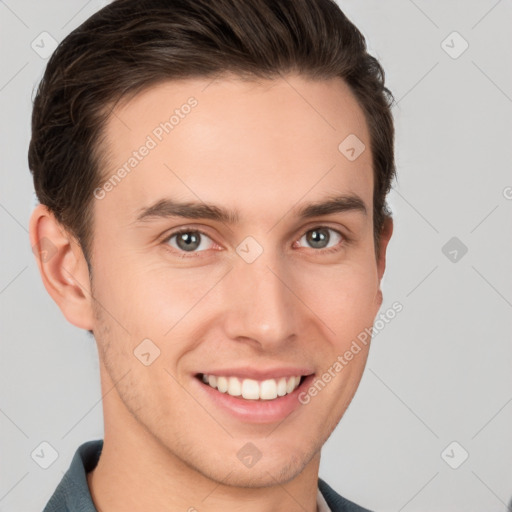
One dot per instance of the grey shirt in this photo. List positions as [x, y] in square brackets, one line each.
[72, 494]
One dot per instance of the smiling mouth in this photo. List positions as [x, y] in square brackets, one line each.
[251, 389]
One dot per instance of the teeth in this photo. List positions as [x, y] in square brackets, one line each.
[222, 384]
[268, 389]
[281, 387]
[251, 389]
[234, 387]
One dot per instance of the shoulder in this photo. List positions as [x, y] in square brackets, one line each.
[336, 502]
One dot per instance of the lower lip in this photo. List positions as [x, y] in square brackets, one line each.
[256, 411]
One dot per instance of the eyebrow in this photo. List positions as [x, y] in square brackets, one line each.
[166, 208]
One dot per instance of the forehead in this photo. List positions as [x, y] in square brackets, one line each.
[257, 147]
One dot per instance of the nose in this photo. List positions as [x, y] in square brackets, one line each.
[262, 307]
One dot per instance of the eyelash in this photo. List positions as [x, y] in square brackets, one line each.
[194, 254]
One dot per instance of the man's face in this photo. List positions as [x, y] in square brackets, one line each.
[266, 296]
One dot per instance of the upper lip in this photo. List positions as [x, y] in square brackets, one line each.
[259, 374]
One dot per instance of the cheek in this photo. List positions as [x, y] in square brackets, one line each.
[155, 301]
[345, 299]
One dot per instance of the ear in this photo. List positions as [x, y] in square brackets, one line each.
[62, 266]
[385, 236]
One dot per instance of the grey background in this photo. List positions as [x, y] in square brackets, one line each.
[439, 372]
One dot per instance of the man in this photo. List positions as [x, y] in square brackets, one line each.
[212, 179]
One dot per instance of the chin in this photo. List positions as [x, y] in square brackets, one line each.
[264, 473]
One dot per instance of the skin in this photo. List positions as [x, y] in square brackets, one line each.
[263, 148]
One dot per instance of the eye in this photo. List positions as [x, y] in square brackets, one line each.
[188, 240]
[320, 238]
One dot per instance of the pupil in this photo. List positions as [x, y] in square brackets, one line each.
[187, 240]
[317, 237]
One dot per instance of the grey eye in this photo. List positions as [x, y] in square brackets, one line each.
[188, 240]
[320, 237]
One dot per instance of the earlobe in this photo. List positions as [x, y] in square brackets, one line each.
[378, 299]
[62, 266]
[385, 236]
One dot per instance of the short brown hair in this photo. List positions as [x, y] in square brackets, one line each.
[130, 45]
